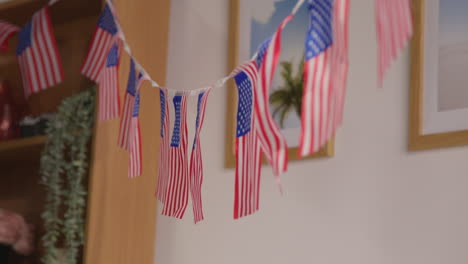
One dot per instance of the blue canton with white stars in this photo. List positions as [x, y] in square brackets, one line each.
[113, 56]
[131, 87]
[162, 98]
[261, 51]
[107, 22]
[244, 104]
[24, 38]
[175, 141]
[136, 106]
[197, 120]
[320, 34]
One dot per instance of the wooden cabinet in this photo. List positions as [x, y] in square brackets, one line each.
[73, 25]
[122, 212]
[121, 215]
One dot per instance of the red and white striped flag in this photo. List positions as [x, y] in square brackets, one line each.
[104, 35]
[325, 73]
[127, 111]
[196, 162]
[248, 151]
[164, 147]
[273, 143]
[394, 29]
[109, 99]
[38, 56]
[340, 69]
[135, 167]
[6, 31]
[176, 197]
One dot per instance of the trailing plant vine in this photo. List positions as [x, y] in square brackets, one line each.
[64, 167]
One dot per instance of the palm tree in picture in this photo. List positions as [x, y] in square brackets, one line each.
[288, 97]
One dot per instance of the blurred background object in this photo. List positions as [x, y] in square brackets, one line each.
[15, 234]
[31, 126]
[8, 113]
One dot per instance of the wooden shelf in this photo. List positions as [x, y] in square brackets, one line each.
[21, 149]
[14, 3]
[20, 11]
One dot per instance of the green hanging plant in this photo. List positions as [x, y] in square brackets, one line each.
[288, 97]
[64, 167]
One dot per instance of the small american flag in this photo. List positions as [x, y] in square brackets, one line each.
[340, 47]
[129, 101]
[317, 67]
[326, 56]
[248, 152]
[130, 134]
[272, 140]
[38, 56]
[104, 36]
[6, 31]
[109, 100]
[135, 166]
[394, 30]
[164, 146]
[176, 197]
[196, 162]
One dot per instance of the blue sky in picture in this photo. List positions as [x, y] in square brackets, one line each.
[453, 21]
[292, 41]
[293, 33]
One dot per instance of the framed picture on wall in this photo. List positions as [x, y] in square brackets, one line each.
[251, 22]
[439, 75]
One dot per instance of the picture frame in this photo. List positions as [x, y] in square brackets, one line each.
[237, 54]
[438, 114]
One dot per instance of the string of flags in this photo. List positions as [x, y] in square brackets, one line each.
[180, 172]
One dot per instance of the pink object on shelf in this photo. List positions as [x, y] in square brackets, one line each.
[8, 113]
[14, 231]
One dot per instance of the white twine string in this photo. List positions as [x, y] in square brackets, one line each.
[139, 67]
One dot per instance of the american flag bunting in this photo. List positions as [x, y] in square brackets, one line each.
[135, 167]
[109, 99]
[196, 162]
[129, 101]
[325, 73]
[130, 133]
[394, 30]
[248, 151]
[38, 56]
[177, 190]
[164, 147]
[272, 140]
[6, 31]
[317, 70]
[104, 36]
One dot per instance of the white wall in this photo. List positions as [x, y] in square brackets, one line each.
[374, 203]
